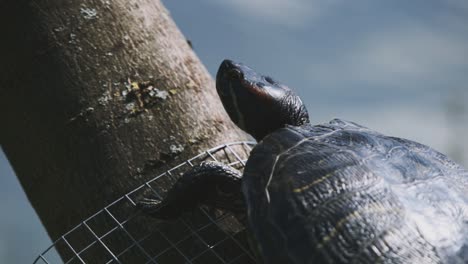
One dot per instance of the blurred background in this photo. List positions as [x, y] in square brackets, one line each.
[399, 67]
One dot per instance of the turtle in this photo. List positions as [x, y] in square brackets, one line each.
[336, 192]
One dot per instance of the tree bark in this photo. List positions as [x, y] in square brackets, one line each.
[96, 97]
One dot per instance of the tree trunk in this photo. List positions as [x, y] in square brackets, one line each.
[96, 97]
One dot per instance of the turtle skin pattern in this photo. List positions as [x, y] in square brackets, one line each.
[342, 193]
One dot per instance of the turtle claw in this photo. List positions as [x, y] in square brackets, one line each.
[193, 189]
[148, 205]
[158, 209]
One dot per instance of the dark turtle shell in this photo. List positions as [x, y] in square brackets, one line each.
[342, 193]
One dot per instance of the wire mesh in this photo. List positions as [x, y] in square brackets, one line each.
[204, 236]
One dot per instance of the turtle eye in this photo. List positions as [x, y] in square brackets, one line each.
[234, 74]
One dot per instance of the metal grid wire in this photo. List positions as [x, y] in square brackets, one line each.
[204, 236]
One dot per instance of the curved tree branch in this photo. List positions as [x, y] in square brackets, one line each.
[91, 93]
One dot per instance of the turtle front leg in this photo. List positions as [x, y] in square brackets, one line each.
[211, 183]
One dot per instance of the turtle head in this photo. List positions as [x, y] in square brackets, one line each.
[257, 104]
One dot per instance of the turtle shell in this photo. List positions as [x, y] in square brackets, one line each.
[342, 193]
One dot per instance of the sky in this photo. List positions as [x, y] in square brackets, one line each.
[399, 67]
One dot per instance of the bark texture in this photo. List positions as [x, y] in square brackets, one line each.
[97, 96]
